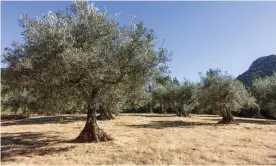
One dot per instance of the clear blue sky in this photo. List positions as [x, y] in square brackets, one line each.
[202, 35]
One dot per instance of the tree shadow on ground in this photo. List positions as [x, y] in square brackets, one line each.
[45, 120]
[273, 156]
[202, 115]
[164, 115]
[167, 124]
[253, 121]
[29, 144]
[149, 115]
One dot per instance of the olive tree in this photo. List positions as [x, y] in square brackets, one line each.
[75, 54]
[159, 97]
[109, 102]
[265, 92]
[113, 98]
[223, 94]
[164, 95]
[18, 99]
[187, 98]
[138, 99]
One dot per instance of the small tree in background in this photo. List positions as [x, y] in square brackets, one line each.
[109, 102]
[113, 98]
[223, 94]
[75, 54]
[165, 93]
[187, 98]
[159, 97]
[265, 92]
[18, 99]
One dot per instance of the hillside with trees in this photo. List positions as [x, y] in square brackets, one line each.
[260, 68]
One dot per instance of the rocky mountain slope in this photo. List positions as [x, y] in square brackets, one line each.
[261, 67]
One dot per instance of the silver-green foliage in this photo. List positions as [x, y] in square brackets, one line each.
[187, 97]
[18, 99]
[181, 97]
[265, 92]
[222, 93]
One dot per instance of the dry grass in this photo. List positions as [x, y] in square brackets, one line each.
[141, 139]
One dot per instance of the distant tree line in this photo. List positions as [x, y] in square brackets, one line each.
[215, 91]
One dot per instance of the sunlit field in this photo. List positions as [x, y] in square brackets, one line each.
[140, 139]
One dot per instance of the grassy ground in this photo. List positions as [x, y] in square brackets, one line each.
[141, 139]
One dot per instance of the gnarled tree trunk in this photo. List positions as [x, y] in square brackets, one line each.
[258, 114]
[149, 108]
[227, 118]
[26, 112]
[15, 108]
[162, 110]
[91, 131]
[105, 115]
[182, 113]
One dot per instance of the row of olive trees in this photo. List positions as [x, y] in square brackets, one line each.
[169, 94]
[217, 93]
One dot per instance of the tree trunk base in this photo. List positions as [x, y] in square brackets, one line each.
[91, 131]
[87, 135]
[183, 115]
[258, 116]
[105, 116]
[227, 120]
